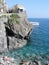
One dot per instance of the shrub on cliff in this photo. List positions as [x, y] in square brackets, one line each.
[14, 18]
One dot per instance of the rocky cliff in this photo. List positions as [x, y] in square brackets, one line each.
[14, 30]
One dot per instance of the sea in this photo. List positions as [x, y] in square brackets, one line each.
[38, 44]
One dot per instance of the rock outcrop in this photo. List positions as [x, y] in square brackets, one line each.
[18, 30]
[14, 29]
[30, 63]
[15, 43]
[4, 60]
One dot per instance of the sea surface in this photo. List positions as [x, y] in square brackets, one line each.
[38, 43]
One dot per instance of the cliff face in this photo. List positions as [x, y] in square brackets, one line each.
[3, 38]
[18, 30]
[14, 30]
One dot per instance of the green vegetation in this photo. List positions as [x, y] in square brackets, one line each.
[3, 16]
[14, 18]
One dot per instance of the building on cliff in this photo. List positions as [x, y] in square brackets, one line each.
[17, 8]
[3, 6]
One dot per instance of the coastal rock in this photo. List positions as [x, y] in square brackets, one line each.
[18, 30]
[26, 63]
[15, 29]
[30, 63]
[47, 63]
[4, 60]
[15, 43]
[38, 62]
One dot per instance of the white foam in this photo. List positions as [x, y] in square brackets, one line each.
[35, 23]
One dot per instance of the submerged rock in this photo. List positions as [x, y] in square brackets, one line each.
[46, 62]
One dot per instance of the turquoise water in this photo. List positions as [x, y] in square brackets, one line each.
[38, 44]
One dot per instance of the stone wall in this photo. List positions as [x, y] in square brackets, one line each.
[3, 39]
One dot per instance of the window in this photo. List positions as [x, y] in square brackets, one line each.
[21, 10]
